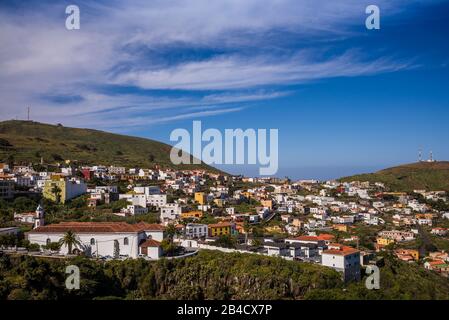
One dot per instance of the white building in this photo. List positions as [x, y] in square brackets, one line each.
[148, 190]
[117, 170]
[101, 239]
[132, 210]
[343, 259]
[157, 200]
[170, 211]
[196, 230]
[139, 200]
[275, 249]
[36, 218]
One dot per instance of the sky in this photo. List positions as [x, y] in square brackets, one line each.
[344, 99]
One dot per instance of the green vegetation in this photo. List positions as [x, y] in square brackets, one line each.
[398, 281]
[70, 240]
[209, 275]
[226, 241]
[74, 210]
[409, 177]
[28, 141]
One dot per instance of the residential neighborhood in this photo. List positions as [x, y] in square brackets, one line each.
[108, 212]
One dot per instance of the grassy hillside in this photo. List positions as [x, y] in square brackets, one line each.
[28, 141]
[421, 175]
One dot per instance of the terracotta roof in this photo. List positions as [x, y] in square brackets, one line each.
[150, 243]
[325, 236]
[343, 251]
[151, 226]
[307, 238]
[220, 225]
[97, 227]
[334, 245]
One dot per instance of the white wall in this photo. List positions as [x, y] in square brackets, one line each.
[104, 242]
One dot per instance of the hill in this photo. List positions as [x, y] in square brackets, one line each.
[409, 177]
[28, 141]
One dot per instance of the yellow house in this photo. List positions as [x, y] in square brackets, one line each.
[275, 229]
[220, 229]
[60, 189]
[297, 223]
[246, 194]
[55, 189]
[340, 227]
[384, 241]
[192, 214]
[200, 197]
[219, 202]
[404, 253]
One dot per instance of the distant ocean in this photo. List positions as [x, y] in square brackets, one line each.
[318, 173]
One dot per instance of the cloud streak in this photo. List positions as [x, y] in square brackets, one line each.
[220, 55]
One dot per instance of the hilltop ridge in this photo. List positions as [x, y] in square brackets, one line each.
[409, 177]
[29, 141]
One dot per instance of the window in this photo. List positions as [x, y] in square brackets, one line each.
[48, 241]
[125, 241]
[92, 241]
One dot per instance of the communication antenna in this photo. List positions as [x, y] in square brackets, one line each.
[420, 155]
[431, 156]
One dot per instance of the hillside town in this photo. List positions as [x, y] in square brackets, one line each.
[108, 212]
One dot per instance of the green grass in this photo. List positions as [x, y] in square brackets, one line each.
[28, 141]
[421, 175]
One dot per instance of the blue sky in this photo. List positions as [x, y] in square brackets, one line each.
[345, 99]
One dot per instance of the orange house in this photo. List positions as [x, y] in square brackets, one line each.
[192, 214]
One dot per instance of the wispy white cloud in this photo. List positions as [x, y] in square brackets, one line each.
[123, 43]
[234, 72]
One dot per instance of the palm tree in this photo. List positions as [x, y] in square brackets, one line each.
[171, 231]
[57, 192]
[70, 239]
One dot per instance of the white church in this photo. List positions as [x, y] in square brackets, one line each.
[101, 239]
[35, 218]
